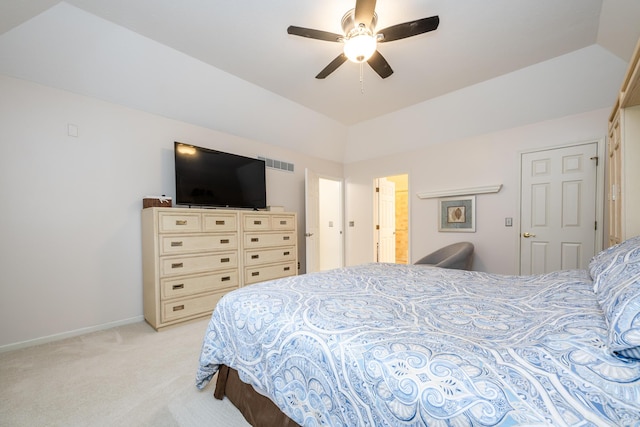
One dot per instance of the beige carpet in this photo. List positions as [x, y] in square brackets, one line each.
[125, 376]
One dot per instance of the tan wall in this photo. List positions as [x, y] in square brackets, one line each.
[402, 217]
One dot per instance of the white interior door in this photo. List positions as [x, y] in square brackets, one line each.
[558, 208]
[312, 218]
[331, 240]
[386, 191]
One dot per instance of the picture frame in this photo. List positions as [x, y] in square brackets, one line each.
[457, 214]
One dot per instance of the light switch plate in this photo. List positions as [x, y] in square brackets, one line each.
[508, 222]
[72, 130]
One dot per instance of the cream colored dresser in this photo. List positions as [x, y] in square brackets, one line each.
[269, 246]
[192, 257]
[624, 157]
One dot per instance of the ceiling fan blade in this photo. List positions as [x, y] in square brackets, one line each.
[408, 29]
[333, 65]
[314, 34]
[380, 65]
[364, 11]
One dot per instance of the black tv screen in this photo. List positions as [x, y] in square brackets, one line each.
[207, 177]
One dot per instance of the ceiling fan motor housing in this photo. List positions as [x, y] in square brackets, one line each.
[349, 22]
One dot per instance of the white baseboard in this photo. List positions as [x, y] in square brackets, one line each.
[69, 334]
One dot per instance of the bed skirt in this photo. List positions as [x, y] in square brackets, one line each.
[257, 409]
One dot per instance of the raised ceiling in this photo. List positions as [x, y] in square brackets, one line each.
[476, 41]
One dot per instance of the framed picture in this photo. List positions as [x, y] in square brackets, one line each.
[457, 214]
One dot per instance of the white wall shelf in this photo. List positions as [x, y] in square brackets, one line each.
[459, 191]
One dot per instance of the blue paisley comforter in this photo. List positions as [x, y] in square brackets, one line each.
[397, 345]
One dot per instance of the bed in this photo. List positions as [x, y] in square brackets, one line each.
[409, 345]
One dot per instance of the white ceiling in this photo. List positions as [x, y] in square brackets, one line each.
[476, 41]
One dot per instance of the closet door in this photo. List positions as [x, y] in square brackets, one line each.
[558, 208]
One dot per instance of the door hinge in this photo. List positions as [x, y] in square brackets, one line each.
[377, 189]
[596, 158]
[596, 225]
[377, 227]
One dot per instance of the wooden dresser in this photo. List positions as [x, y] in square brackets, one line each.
[623, 173]
[192, 257]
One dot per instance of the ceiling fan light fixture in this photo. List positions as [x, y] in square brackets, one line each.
[359, 47]
[360, 38]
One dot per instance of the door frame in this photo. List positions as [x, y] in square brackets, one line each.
[375, 208]
[600, 186]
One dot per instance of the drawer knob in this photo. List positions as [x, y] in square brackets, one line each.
[255, 273]
[283, 222]
[174, 244]
[286, 237]
[180, 286]
[224, 260]
[220, 222]
[181, 222]
[225, 278]
[255, 239]
[286, 253]
[223, 241]
[257, 222]
[287, 268]
[255, 256]
[178, 307]
[177, 265]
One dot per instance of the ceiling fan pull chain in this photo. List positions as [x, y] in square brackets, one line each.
[361, 78]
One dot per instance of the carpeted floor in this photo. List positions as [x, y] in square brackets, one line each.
[125, 376]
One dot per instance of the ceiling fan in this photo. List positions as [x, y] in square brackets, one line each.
[360, 38]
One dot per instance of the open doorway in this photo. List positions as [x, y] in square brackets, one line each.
[391, 219]
[324, 212]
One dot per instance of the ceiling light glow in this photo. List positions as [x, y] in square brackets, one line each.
[360, 46]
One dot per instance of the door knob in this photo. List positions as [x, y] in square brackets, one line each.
[527, 235]
[308, 234]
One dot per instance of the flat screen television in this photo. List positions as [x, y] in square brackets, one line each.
[211, 178]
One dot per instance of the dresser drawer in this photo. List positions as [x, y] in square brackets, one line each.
[173, 244]
[188, 307]
[269, 256]
[262, 240]
[256, 223]
[171, 266]
[191, 285]
[269, 272]
[219, 222]
[283, 222]
[178, 222]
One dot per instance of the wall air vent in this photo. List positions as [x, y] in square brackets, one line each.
[277, 164]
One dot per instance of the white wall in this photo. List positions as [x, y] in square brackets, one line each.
[473, 137]
[70, 252]
[578, 82]
[488, 159]
[68, 48]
